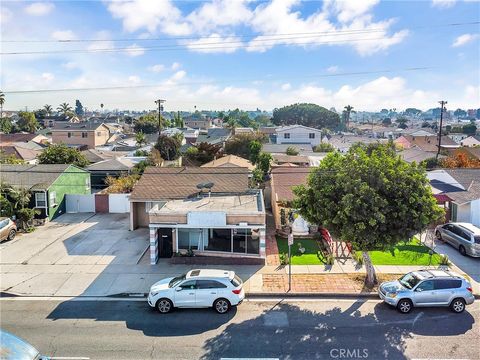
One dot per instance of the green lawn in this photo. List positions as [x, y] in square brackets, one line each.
[411, 253]
[311, 256]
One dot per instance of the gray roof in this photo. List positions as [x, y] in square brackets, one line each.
[461, 185]
[34, 177]
[466, 177]
[416, 154]
[84, 125]
[117, 164]
[282, 148]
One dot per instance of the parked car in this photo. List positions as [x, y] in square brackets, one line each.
[427, 288]
[8, 229]
[13, 348]
[219, 289]
[463, 236]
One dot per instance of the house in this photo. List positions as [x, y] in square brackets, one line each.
[22, 138]
[214, 136]
[48, 184]
[22, 146]
[20, 152]
[115, 167]
[459, 190]
[343, 143]
[471, 141]
[282, 180]
[84, 134]
[230, 161]
[298, 134]
[416, 154]
[426, 143]
[198, 123]
[96, 155]
[299, 160]
[302, 149]
[228, 219]
[458, 137]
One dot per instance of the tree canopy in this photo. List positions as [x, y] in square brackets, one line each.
[311, 115]
[169, 147]
[62, 154]
[148, 124]
[369, 197]
[240, 144]
[27, 122]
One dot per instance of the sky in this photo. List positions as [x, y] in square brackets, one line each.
[223, 54]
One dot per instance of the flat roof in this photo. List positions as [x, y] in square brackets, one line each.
[231, 204]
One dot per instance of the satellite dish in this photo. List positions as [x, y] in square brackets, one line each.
[200, 186]
[208, 185]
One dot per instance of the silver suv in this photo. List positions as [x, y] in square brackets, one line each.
[427, 288]
[463, 236]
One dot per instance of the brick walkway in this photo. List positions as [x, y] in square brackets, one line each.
[323, 283]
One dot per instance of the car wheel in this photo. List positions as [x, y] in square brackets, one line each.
[404, 306]
[11, 234]
[164, 306]
[221, 306]
[462, 250]
[438, 235]
[457, 305]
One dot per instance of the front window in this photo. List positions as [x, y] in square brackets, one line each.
[69, 134]
[176, 280]
[409, 280]
[40, 200]
[53, 198]
[311, 135]
[286, 135]
[219, 240]
[84, 134]
[189, 239]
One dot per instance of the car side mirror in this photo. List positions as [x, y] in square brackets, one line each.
[419, 289]
[178, 288]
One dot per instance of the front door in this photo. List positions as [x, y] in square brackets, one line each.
[165, 243]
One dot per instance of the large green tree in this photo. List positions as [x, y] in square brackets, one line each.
[27, 122]
[6, 125]
[169, 147]
[306, 114]
[148, 124]
[240, 144]
[255, 147]
[369, 197]
[62, 154]
[64, 109]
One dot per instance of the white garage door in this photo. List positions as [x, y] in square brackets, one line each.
[80, 203]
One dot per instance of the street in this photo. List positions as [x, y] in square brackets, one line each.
[290, 329]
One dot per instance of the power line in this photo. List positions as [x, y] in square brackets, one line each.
[354, 73]
[351, 31]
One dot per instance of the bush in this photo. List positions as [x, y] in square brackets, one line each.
[330, 259]
[444, 260]
[291, 151]
[357, 256]
[141, 153]
[324, 147]
[283, 258]
[283, 217]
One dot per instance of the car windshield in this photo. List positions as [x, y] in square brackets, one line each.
[176, 280]
[409, 280]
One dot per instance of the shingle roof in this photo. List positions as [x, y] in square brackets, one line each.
[39, 177]
[230, 161]
[117, 164]
[18, 137]
[158, 184]
[294, 159]
[429, 143]
[284, 178]
[282, 148]
[416, 154]
[85, 125]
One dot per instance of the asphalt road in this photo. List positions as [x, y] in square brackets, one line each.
[310, 329]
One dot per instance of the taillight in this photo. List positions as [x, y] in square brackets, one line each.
[237, 291]
[470, 289]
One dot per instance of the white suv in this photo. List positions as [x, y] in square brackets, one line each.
[219, 289]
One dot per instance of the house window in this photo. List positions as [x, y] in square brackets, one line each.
[219, 240]
[246, 241]
[40, 200]
[311, 135]
[53, 198]
[286, 135]
[87, 183]
[84, 134]
[190, 239]
[150, 204]
[69, 134]
[99, 133]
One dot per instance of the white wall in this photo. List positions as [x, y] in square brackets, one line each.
[118, 203]
[80, 203]
[463, 213]
[298, 136]
[475, 212]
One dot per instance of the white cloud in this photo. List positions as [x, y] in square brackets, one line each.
[347, 11]
[134, 79]
[179, 75]
[5, 15]
[48, 77]
[134, 50]
[105, 43]
[70, 65]
[464, 39]
[332, 69]
[63, 35]
[156, 68]
[215, 43]
[286, 86]
[39, 8]
[175, 66]
[443, 4]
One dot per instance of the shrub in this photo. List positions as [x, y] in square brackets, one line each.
[330, 259]
[283, 258]
[291, 151]
[324, 147]
[444, 260]
[357, 256]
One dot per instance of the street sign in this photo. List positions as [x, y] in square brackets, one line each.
[290, 239]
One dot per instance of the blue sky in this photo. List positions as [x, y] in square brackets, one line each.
[247, 54]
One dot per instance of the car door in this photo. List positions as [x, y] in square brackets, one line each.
[458, 237]
[445, 290]
[208, 291]
[185, 294]
[424, 293]
[3, 229]
[447, 233]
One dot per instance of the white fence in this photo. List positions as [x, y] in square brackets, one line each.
[80, 203]
[118, 203]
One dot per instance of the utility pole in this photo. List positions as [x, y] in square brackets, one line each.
[159, 102]
[442, 103]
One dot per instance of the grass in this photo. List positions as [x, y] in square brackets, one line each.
[311, 256]
[411, 253]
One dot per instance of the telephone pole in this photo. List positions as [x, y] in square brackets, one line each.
[159, 102]
[442, 103]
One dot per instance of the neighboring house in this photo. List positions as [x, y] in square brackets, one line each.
[96, 155]
[302, 149]
[230, 161]
[24, 147]
[299, 160]
[282, 180]
[48, 184]
[226, 220]
[6, 139]
[113, 167]
[416, 154]
[198, 123]
[244, 130]
[50, 121]
[18, 151]
[85, 134]
[298, 134]
[471, 141]
[343, 143]
[270, 132]
[426, 143]
[214, 136]
[458, 138]
[190, 135]
[459, 190]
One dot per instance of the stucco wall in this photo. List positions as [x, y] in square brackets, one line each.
[94, 138]
[139, 218]
[298, 136]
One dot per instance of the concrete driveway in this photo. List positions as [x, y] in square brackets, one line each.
[70, 255]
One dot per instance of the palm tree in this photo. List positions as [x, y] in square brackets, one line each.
[348, 111]
[48, 109]
[2, 101]
[140, 139]
[64, 108]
